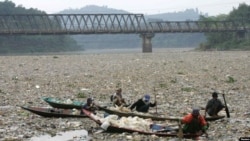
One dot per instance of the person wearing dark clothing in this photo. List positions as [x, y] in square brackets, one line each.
[143, 104]
[214, 105]
[90, 106]
[194, 123]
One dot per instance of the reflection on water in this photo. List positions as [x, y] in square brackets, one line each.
[77, 135]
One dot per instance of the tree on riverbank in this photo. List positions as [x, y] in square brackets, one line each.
[225, 40]
[32, 43]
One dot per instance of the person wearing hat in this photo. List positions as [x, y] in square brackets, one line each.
[194, 123]
[90, 106]
[214, 105]
[117, 98]
[143, 104]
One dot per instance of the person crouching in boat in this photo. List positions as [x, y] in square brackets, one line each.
[143, 104]
[117, 98]
[90, 106]
[194, 123]
[214, 105]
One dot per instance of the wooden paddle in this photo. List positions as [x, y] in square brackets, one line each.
[155, 101]
[180, 132]
[226, 108]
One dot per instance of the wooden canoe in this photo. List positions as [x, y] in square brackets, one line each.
[160, 132]
[153, 117]
[54, 112]
[64, 104]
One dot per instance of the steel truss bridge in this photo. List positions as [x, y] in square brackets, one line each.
[61, 24]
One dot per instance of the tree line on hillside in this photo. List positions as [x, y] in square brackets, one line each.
[32, 43]
[225, 40]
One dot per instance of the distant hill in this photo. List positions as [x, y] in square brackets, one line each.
[90, 9]
[133, 40]
[188, 14]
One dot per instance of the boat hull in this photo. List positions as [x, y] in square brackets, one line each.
[53, 112]
[157, 118]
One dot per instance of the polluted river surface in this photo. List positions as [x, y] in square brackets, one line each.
[182, 79]
[77, 135]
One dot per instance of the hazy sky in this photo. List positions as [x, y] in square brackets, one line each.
[212, 7]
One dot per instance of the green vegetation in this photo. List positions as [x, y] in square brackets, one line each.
[32, 43]
[180, 73]
[230, 79]
[163, 85]
[24, 114]
[187, 89]
[173, 81]
[81, 95]
[229, 41]
[2, 92]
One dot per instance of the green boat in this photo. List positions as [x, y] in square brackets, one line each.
[63, 104]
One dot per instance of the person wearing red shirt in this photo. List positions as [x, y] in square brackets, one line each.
[194, 123]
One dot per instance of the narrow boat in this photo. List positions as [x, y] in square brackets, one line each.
[147, 115]
[153, 129]
[54, 112]
[64, 104]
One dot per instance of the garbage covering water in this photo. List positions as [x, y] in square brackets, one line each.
[182, 80]
[78, 135]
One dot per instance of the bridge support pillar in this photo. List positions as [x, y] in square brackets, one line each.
[146, 42]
